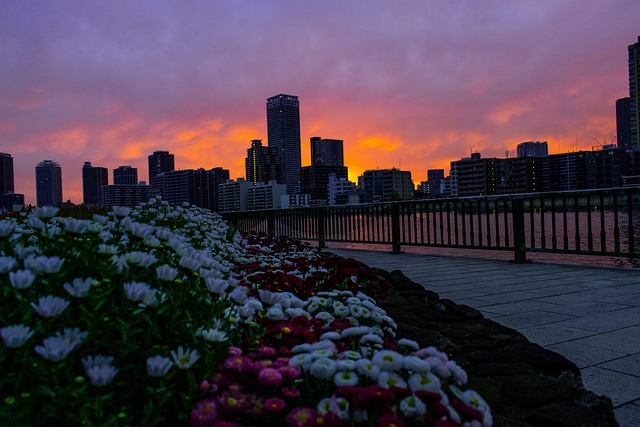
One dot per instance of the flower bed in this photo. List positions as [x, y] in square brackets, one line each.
[164, 315]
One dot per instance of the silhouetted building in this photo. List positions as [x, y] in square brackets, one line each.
[12, 202]
[533, 149]
[93, 178]
[474, 176]
[6, 173]
[434, 179]
[314, 180]
[623, 123]
[123, 195]
[385, 185]
[634, 94]
[159, 162]
[197, 187]
[125, 175]
[48, 183]
[283, 133]
[262, 163]
[327, 152]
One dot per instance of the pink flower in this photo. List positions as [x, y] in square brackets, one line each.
[235, 351]
[290, 392]
[270, 376]
[207, 387]
[289, 372]
[267, 351]
[205, 413]
[226, 424]
[302, 417]
[236, 363]
[274, 404]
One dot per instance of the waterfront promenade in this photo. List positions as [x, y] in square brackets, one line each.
[590, 315]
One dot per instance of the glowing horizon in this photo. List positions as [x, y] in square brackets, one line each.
[413, 85]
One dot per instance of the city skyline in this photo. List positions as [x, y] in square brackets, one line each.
[411, 85]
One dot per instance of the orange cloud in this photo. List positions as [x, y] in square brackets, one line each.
[505, 113]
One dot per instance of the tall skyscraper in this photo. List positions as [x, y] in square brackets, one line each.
[161, 161]
[93, 177]
[634, 93]
[327, 152]
[623, 123]
[125, 175]
[6, 173]
[262, 163]
[283, 132]
[48, 183]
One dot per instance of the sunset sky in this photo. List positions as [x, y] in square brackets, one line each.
[408, 84]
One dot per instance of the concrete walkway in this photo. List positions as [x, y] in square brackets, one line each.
[589, 315]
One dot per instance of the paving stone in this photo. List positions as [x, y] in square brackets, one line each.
[628, 415]
[608, 321]
[621, 388]
[627, 365]
[552, 333]
[625, 340]
[530, 318]
[584, 355]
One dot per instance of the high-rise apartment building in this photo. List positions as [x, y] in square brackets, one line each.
[93, 177]
[634, 94]
[6, 173]
[623, 123]
[159, 162]
[262, 163]
[533, 149]
[48, 183]
[385, 185]
[314, 180]
[283, 133]
[434, 178]
[125, 175]
[327, 152]
[197, 187]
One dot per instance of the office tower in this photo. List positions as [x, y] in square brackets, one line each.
[262, 163]
[125, 175]
[634, 94]
[48, 183]
[533, 149]
[93, 177]
[623, 123]
[283, 132]
[6, 173]
[327, 152]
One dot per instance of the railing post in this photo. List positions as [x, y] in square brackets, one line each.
[271, 224]
[320, 218]
[395, 229]
[517, 213]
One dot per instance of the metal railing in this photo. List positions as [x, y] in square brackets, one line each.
[597, 222]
